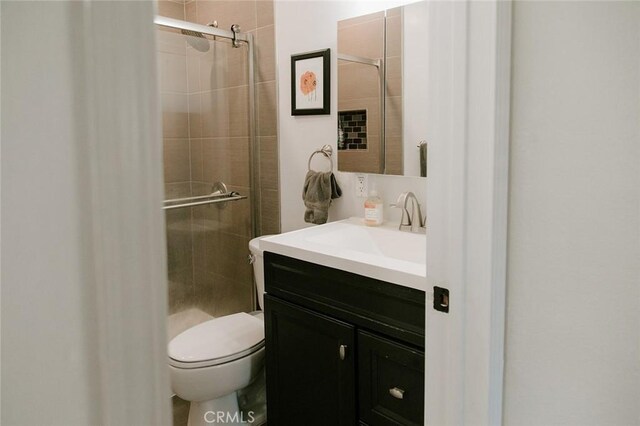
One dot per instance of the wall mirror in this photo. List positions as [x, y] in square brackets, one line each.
[381, 92]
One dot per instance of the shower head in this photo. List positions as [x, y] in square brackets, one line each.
[196, 40]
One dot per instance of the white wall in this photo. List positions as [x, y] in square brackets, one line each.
[303, 26]
[573, 296]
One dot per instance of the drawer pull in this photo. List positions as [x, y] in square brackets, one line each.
[342, 351]
[396, 393]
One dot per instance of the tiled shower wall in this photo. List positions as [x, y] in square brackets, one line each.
[206, 139]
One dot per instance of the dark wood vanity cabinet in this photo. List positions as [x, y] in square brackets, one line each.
[341, 349]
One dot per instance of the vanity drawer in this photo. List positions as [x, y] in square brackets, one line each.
[379, 306]
[391, 382]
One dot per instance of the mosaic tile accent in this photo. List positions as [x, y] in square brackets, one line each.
[352, 130]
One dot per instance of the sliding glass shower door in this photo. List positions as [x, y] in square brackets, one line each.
[207, 111]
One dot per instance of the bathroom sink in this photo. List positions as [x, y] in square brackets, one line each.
[378, 252]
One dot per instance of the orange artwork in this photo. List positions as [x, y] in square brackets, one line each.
[308, 84]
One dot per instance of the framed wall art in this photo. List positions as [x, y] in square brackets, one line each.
[310, 83]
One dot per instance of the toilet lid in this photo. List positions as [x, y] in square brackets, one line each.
[218, 339]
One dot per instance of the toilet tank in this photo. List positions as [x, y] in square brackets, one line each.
[258, 267]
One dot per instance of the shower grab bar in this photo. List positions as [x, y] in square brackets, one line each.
[211, 199]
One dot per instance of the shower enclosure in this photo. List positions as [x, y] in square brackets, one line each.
[211, 167]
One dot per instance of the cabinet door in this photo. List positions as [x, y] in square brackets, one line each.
[391, 382]
[310, 364]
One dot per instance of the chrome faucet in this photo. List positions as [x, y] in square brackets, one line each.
[408, 219]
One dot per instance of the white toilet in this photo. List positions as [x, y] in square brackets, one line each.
[210, 362]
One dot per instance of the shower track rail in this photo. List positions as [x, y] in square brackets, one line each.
[204, 29]
[202, 200]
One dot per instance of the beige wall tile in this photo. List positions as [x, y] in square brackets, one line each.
[364, 39]
[237, 66]
[178, 239]
[223, 67]
[173, 72]
[361, 161]
[200, 188]
[193, 73]
[227, 13]
[195, 115]
[233, 217]
[394, 155]
[396, 11]
[191, 11]
[239, 160]
[265, 54]
[171, 9]
[202, 231]
[215, 113]
[204, 291]
[179, 259]
[212, 74]
[196, 160]
[228, 254]
[393, 117]
[394, 36]
[238, 213]
[357, 81]
[170, 41]
[267, 118]
[394, 76]
[177, 190]
[238, 101]
[376, 16]
[269, 162]
[216, 159]
[175, 111]
[264, 12]
[227, 160]
[270, 205]
[218, 295]
[176, 160]
[233, 296]
[181, 290]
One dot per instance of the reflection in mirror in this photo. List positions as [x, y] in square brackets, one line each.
[360, 85]
[372, 104]
[393, 93]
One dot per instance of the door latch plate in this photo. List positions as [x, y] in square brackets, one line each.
[441, 299]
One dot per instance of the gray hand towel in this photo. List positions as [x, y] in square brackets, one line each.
[319, 189]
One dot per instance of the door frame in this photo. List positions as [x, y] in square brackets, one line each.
[469, 82]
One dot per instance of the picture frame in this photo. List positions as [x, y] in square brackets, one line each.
[311, 83]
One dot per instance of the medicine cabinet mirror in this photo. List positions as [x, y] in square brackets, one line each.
[382, 69]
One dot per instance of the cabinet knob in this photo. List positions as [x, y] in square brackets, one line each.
[342, 351]
[396, 393]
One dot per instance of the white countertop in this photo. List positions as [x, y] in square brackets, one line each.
[381, 252]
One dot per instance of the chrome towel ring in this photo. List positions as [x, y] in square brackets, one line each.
[327, 151]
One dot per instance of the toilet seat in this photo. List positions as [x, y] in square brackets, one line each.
[217, 341]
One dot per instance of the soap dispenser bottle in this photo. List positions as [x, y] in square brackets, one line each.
[373, 209]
